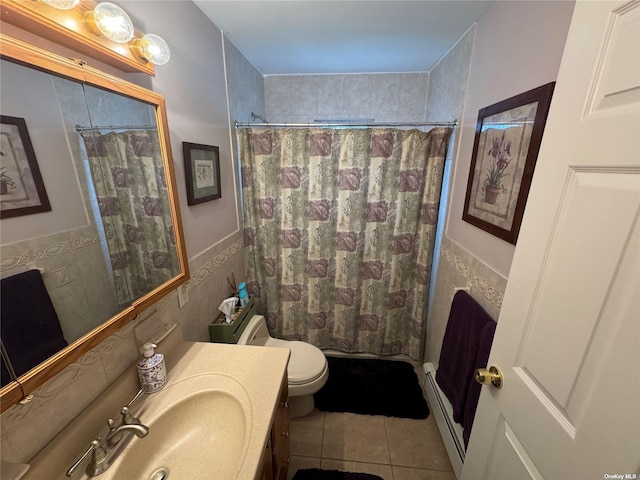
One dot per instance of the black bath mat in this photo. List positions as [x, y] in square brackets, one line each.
[372, 387]
[317, 474]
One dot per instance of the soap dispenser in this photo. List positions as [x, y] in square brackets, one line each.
[151, 369]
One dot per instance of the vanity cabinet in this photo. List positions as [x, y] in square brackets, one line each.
[267, 464]
[280, 434]
[276, 457]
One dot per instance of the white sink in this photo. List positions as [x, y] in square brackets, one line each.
[199, 428]
[212, 421]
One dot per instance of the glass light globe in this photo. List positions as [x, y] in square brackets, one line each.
[62, 4]
[154, 48]
[113, 22]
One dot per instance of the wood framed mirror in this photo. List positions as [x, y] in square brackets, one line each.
[118, 198]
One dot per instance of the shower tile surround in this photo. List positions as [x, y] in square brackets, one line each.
[245, 84]
[383, 97]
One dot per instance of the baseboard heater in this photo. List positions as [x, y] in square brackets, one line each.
[450, 431]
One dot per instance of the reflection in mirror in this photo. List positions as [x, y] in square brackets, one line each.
[110, 238]
[31, 330]
[64, 242]
[129, 195]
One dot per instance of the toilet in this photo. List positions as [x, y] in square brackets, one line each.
[308, 370]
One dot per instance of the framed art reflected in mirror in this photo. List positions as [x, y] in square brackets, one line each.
[22, 190]
[202, 172]
[505, 150]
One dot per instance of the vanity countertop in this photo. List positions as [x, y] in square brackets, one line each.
[259, 370]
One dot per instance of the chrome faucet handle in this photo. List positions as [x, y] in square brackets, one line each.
[112, 437]
[128, 418]
[112, 425]
[98, 454]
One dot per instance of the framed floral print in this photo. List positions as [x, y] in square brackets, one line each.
[505, 150]
[202, 172]
[22, 190]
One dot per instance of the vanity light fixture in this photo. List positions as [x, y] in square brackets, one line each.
[101, 30]
[153, 48]
[111, 21]
[62, 4]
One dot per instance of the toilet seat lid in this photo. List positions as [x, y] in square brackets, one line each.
[307, 362]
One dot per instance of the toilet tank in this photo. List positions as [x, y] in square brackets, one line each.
[256, 332]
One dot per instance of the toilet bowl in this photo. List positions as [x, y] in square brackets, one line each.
[307, 369]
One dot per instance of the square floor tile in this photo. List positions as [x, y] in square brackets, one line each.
[407, 473]
[306, 434]
[359, 438]
[416, 443]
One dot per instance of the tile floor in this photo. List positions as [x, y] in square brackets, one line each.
[392, 448]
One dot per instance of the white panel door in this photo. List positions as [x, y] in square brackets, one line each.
[568, 336]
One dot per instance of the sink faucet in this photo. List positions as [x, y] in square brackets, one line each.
[105, 451]
[114, 437]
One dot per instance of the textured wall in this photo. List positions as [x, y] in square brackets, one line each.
[194, 86]
[517, 47]
[385, 97]
[448, 81]
[245, 85]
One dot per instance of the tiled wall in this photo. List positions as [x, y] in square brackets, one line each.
[74, 273]
[383, 97]
[458, 268]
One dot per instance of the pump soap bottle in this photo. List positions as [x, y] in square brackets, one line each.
[151, 369]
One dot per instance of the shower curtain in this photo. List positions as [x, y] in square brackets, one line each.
[130, 185]
[339, 230]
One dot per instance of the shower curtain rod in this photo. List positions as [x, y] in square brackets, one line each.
[80, 128]
[346, 124]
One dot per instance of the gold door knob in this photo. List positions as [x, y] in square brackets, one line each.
[492, 376]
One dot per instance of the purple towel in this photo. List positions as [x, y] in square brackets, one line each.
[460, 347]
[486, 339]
[29, 325]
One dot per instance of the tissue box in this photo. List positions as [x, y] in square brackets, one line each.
[222, 332]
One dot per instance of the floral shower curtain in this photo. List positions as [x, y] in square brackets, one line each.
[130, 185]
[340, 229]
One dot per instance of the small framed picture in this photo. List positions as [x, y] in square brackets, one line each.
[505, 150]
[202, 171]
[22, 190]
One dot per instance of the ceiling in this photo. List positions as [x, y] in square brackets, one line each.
[343, 36]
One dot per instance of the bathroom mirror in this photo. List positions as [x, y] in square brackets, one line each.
[112, 243]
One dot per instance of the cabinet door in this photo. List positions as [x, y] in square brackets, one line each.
[267, 464]
[280, 434]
